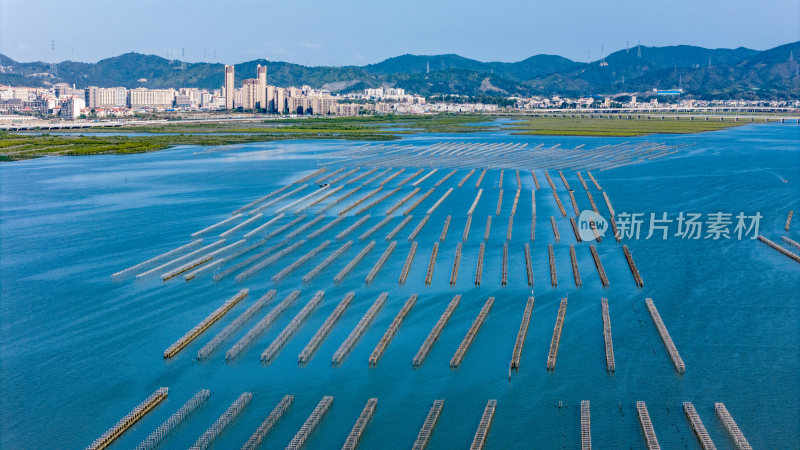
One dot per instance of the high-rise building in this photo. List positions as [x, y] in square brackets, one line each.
[280, 100]
[72, 107]
[229, 89]
[97, 97]
[261, 94]
[141, 98]
[270, 99]
[250, 92]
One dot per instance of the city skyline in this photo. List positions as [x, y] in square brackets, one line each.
[334, 35]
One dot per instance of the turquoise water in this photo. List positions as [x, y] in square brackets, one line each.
[78, 350]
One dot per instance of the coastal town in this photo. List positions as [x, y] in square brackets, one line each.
[58, 102]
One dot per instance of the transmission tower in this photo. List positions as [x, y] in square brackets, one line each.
[53, 65]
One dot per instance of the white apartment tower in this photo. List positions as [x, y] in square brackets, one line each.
[229, 89]
[261, 94]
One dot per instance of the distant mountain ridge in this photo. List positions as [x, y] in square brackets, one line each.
[702, 72]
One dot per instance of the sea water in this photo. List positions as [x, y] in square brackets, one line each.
[79, 350]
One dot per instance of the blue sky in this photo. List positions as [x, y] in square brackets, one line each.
[342, 32]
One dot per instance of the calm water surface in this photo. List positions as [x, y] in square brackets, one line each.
[78, 350]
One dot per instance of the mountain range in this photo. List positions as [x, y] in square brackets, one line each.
[700, 72]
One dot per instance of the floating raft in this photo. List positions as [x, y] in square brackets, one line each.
[458, 356]
[466, 177]
[504, 273]
[552, 259]
[399, 227]
[425, 177]
[788, 220]
[535, 180]
[521, 334]
[269, 354]
[533, 215]
[427, 427]
[407, 265]
[233, 411]
[418, 202]
[352, 339]
[499, 203]
[445, 227]
[556, 234]
[311, 423]
[418, 228]
[431, 264]
[730, 426]
[697, 426]
[375, 228]
[467, 225]
[791, 242]
[665, 337]
[381, 261]
[378, 200]
[480, 178]
[410, 177]
[129, 420]
[528, 264]
[261, 326]
[276, 200]
[204, 324]
[235, 325]
[591, 177]
[599, 265]
[326, 262]
[391, 177]
[361, 424]
[285, 226]
[575, 229]
[510, 227]
[482, 433]
[514, 203]
[636, 276]
[776, 247]
[257, 267]
[500, 182]
[445, 178]
[178, 417]
[402, 201]
[564, 180]
[324, 330]
[423, 351]
[217, 225]
[300, 261]
[268, 423]
[248, 261]
[609, 345]
[586, 426]
[380, 348]
[479, 270]
[551, 356]
[519, 183]
[352, 227]
[456, 263]
[488, 228]
[180, 259]
[608, 204]
[155, 259]
[559, 204]
[574, 204]
[583, 182]
[297, 231]
[326, 227]
[261, 199]
[647, 426]
[439, 202]
[354, 262]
